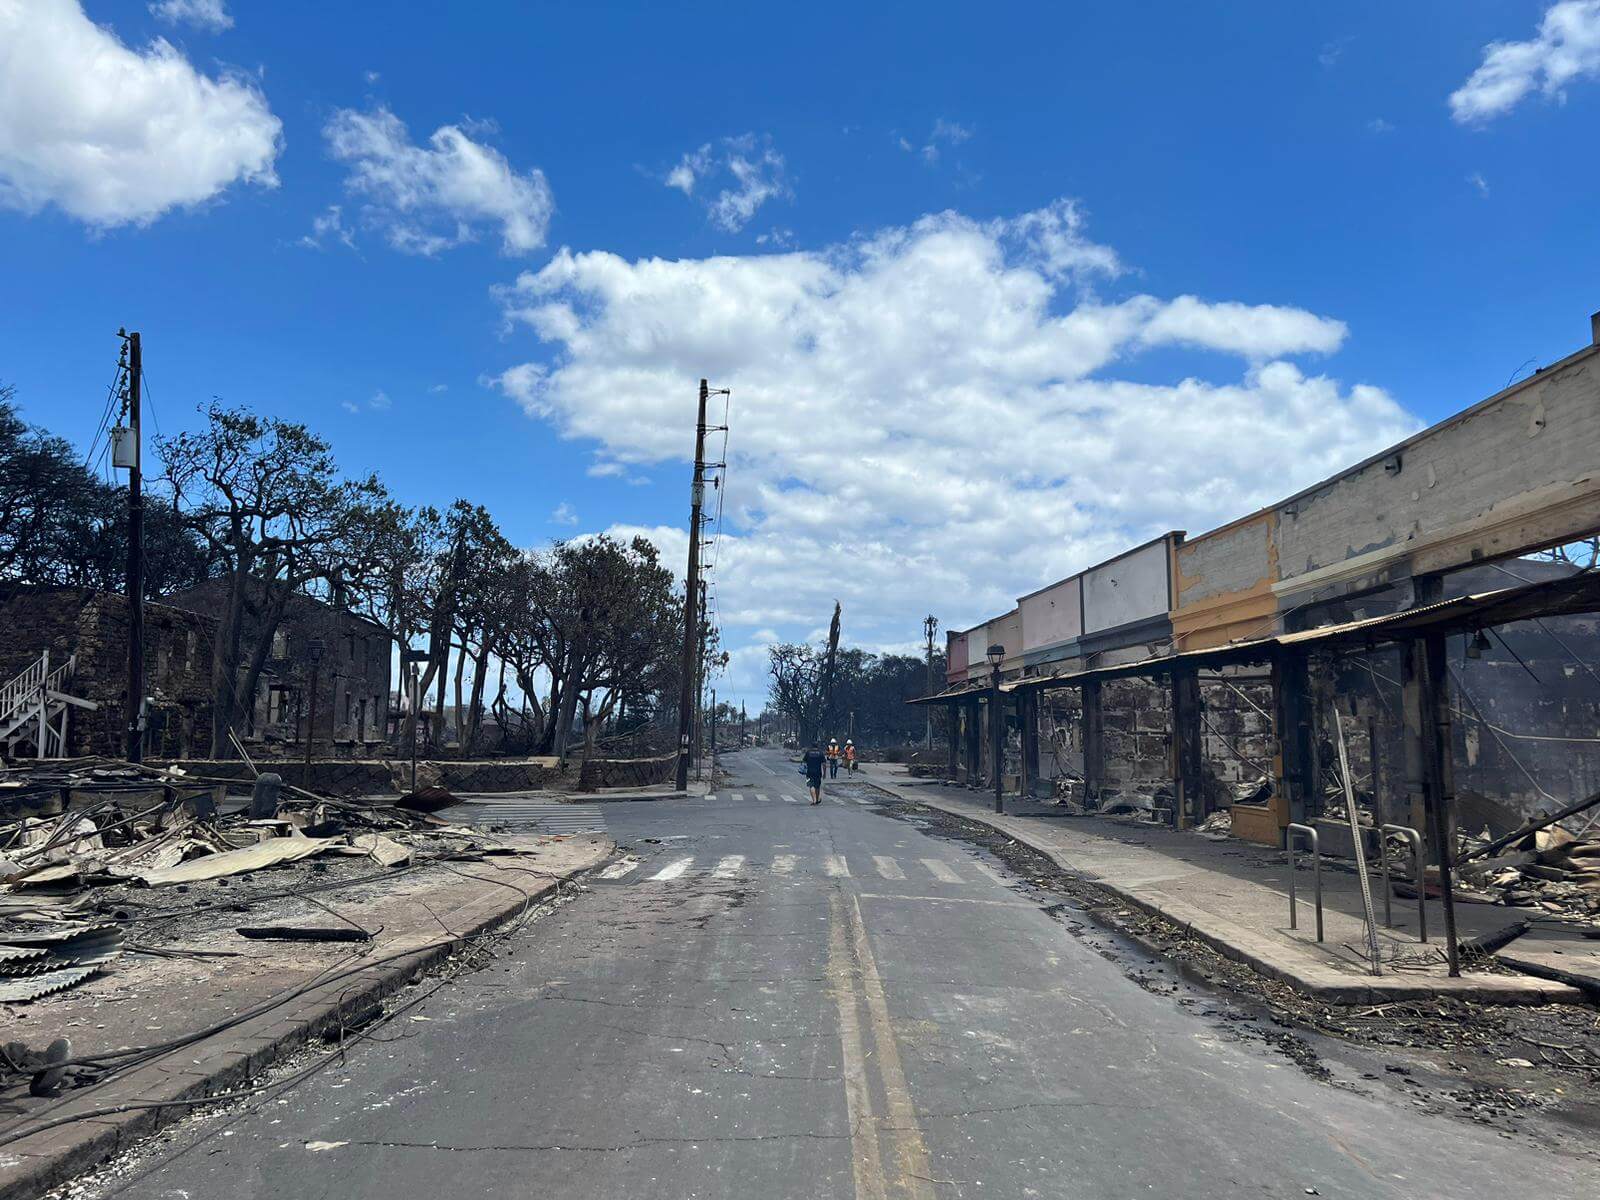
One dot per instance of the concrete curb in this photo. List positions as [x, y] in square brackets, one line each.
[39, 1162]
[635, 797]
[1259, 953]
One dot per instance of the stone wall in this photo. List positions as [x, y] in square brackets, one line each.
[1237, 723]
[334, 777]
[1236, 745]
[1136, 714]
[626, 772]
[383, 777]
[493, 775]
[94, 627]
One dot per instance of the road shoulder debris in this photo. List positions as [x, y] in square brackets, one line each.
[272, 931]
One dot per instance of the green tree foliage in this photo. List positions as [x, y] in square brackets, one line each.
[62, 525]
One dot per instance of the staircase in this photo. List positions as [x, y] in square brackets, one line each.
[33, 708]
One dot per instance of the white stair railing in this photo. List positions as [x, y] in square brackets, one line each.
[33, 699]
[23, 689]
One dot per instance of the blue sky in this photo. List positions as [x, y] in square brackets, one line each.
[881, 222]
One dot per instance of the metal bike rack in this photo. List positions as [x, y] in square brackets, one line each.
[1415, 839]
[1316, 871]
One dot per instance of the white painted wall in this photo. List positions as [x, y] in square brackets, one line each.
[1129, 588]
[1051, 616]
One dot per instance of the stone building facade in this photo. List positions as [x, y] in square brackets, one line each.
[352, 674]
[351, 677]
[93, 627]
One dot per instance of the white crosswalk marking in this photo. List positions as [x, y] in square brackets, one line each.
[887, 867]
[942, 871]
[737, 797]
[784, 864]
[711, 795]
[993, 874]
[620, 868]
[791, 799]
[763, 797]
[672, 870]
[729, 867]
[835, 865]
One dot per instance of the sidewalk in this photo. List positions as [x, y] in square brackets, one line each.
[1234, 896]
[217, 1009]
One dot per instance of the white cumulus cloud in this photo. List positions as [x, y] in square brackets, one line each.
[113, 135]
[932, 418]
[429, 198]
[745, 172]
[1565, 48]
[207, 14]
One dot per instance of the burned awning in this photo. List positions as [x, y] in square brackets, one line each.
[950, 695]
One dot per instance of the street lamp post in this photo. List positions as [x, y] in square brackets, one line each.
[997, 727]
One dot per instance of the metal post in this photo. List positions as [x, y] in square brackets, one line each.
[691, 596]
[1358, 842]
[1418, 863]
[997, 740]
[135, 579]
[1316, 871]
[713, 734]
[930, 624]
[1437, 771]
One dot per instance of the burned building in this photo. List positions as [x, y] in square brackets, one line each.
[1413, 605]
[316, 644]
[82, 636]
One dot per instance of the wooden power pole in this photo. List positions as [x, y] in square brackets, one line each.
[689, 682]
[135, 578]
[930, 625]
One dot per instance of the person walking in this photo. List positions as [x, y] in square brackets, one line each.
[811, 768]
[849, 755]
[833, 758]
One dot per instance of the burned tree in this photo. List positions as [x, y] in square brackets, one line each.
[263, 495]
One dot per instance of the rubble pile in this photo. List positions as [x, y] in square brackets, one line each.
[79, 838]
[1551, 869]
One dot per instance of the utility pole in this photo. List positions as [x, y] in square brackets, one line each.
[930, 625]
[691, 596]
[697, 742]
[713, 735]
[135, 581]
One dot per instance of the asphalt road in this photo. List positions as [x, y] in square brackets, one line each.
[767, 999]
